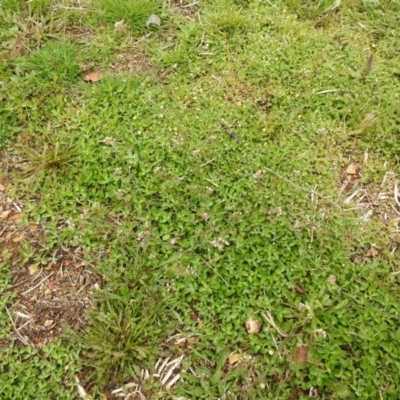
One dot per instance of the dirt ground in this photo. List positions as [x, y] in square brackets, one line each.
[48, 297]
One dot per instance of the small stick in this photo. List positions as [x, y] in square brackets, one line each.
[208, 162]
[212, 183]
[173, 381]
[5, 227]
[17, 207]
[163, 365]
[229, 131]
[327, 91]
[396, 193]
[33, 288]
[189, 5]
[171, 370]
[369, 64]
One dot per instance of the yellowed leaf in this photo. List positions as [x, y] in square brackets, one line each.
[33, 269]
[252, 326]
[93, 77]
[4, 215]
[48, 323]
[234, 357]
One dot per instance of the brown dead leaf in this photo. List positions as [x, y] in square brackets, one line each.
[233, 358]
[93, 77]
[301, 354]
[18, 238]
[183, 344]
[353, 169]
[372, 252]
[50, 285]
[33, 228]
[299, 289]
[17, 218]
[4, 215]
[252, 326]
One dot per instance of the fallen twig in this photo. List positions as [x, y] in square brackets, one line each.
[396, 193]
[43, 280]
[229, 131]
[189, 5]
[327, 91]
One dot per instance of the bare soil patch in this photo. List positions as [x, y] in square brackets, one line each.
[50, 296]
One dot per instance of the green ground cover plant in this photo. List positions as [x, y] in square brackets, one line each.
[202, 175]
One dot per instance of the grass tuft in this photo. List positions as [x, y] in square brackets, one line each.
[133, 12]
[54, 62]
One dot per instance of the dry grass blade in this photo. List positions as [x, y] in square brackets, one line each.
[369, 64]
[25, 342]
[271, 321]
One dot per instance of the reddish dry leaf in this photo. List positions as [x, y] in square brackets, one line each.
[93, 77]
[17, 218]
[299, 289]
[50, 285]
[33, 228]
[183, 344]
[252, 326]
[301, 354]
